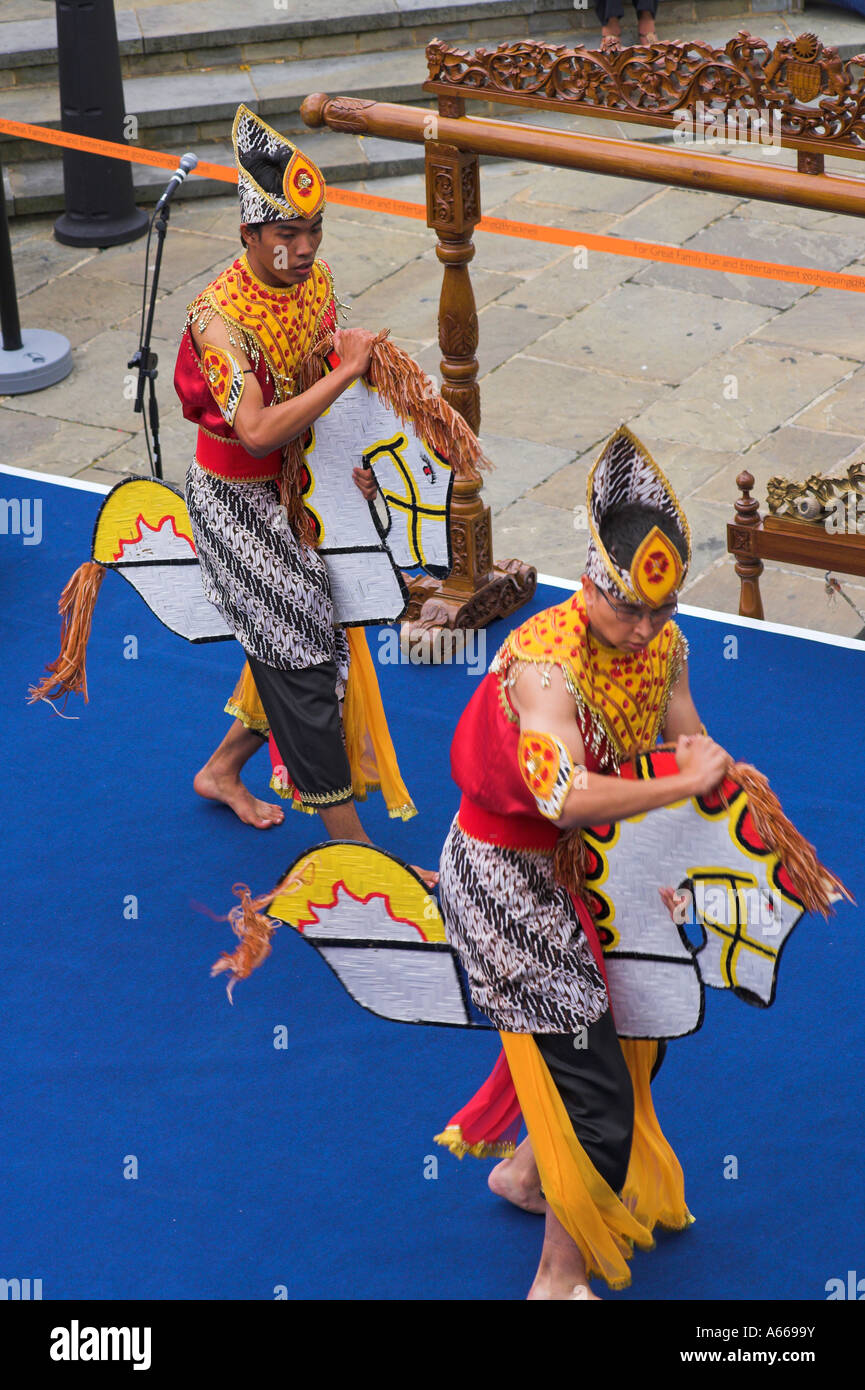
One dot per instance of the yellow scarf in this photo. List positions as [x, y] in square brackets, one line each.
[622, 695]
[280, 324]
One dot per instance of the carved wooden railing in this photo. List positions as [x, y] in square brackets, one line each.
[814, 102]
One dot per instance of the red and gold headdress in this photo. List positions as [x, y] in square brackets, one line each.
[303, 186]
[624, 473]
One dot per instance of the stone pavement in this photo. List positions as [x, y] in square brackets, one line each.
[713, 372]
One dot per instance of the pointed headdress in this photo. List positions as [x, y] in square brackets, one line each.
[625, 473]
[303, 186]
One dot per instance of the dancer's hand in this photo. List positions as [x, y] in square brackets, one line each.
[353, 347]
[701, 759]
[672, 901]
[365, 480]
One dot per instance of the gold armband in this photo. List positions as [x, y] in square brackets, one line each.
[548, 771]
[224, 376]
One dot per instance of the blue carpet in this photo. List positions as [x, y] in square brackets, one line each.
[304, 1169]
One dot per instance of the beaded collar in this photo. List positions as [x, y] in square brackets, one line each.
[279, 323]
[621, 697]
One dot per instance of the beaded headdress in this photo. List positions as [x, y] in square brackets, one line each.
[624, 473]
[303, 187]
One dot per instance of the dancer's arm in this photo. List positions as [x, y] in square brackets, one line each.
[598, 798]
[261, 428]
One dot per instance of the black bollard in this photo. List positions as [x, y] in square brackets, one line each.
[100, 205]
[37, 357]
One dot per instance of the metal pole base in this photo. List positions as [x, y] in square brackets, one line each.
[74, 230]
[44, 359]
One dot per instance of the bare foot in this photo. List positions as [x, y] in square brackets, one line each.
[516, 1187]
[228, 788]
[611, 30]
[561, 1290]
[429, 877]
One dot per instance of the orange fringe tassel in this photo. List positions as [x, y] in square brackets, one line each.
[405, 387]
[68, 674]
[253, 928]
[815, 884]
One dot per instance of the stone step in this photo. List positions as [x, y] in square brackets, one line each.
[37, 187]
[176, 112]
[167, 38]
[197, 107]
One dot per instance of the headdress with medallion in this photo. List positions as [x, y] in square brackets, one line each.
[303, 187]
[626, 473]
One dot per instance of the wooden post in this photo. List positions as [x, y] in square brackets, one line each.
[740, 541]
[476, 591]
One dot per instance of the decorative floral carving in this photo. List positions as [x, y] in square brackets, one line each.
[442, 195]
[740, 538]
[466, 400]
[819, 97]
[347, 113]
[458, 336]
[469, 185]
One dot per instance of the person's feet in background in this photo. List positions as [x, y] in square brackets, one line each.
[610, 14]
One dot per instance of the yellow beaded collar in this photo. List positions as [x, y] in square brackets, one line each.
[280, 324]
[623, 696]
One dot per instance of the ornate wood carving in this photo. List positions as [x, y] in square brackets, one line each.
[339, 113]
[476, 591]
[741, 541]
[819, 98]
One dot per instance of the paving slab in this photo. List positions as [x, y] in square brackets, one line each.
[827, 320]
[31, 440]
[686, 466]
[773, 384]
[759, 240]
[93, 393]
[39, 260]
[519, 464]
[673, 215]
[79, 308]
[502, 333]
[573, 188]
[657, 333]
[541, 536]
[561, 405]
[795, 597]
[187, 255]
[407, 301]
[579, 278]
[790, 452]
[840, 409]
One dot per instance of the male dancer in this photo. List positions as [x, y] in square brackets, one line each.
[247, 335]
[571, 693]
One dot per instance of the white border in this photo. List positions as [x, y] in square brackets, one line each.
[731, 619]
[53, 478]
[734, 620]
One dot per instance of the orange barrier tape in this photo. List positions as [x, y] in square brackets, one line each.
[555, 236]
[114, 151]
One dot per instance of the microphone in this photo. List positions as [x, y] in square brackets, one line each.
[187, 164]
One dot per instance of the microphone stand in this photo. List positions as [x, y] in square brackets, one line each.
[146, 360]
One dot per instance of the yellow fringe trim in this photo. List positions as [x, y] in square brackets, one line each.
[258, 726]
[452, 1138]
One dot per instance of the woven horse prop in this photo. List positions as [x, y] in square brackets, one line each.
[393, 422]
[749, 873]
